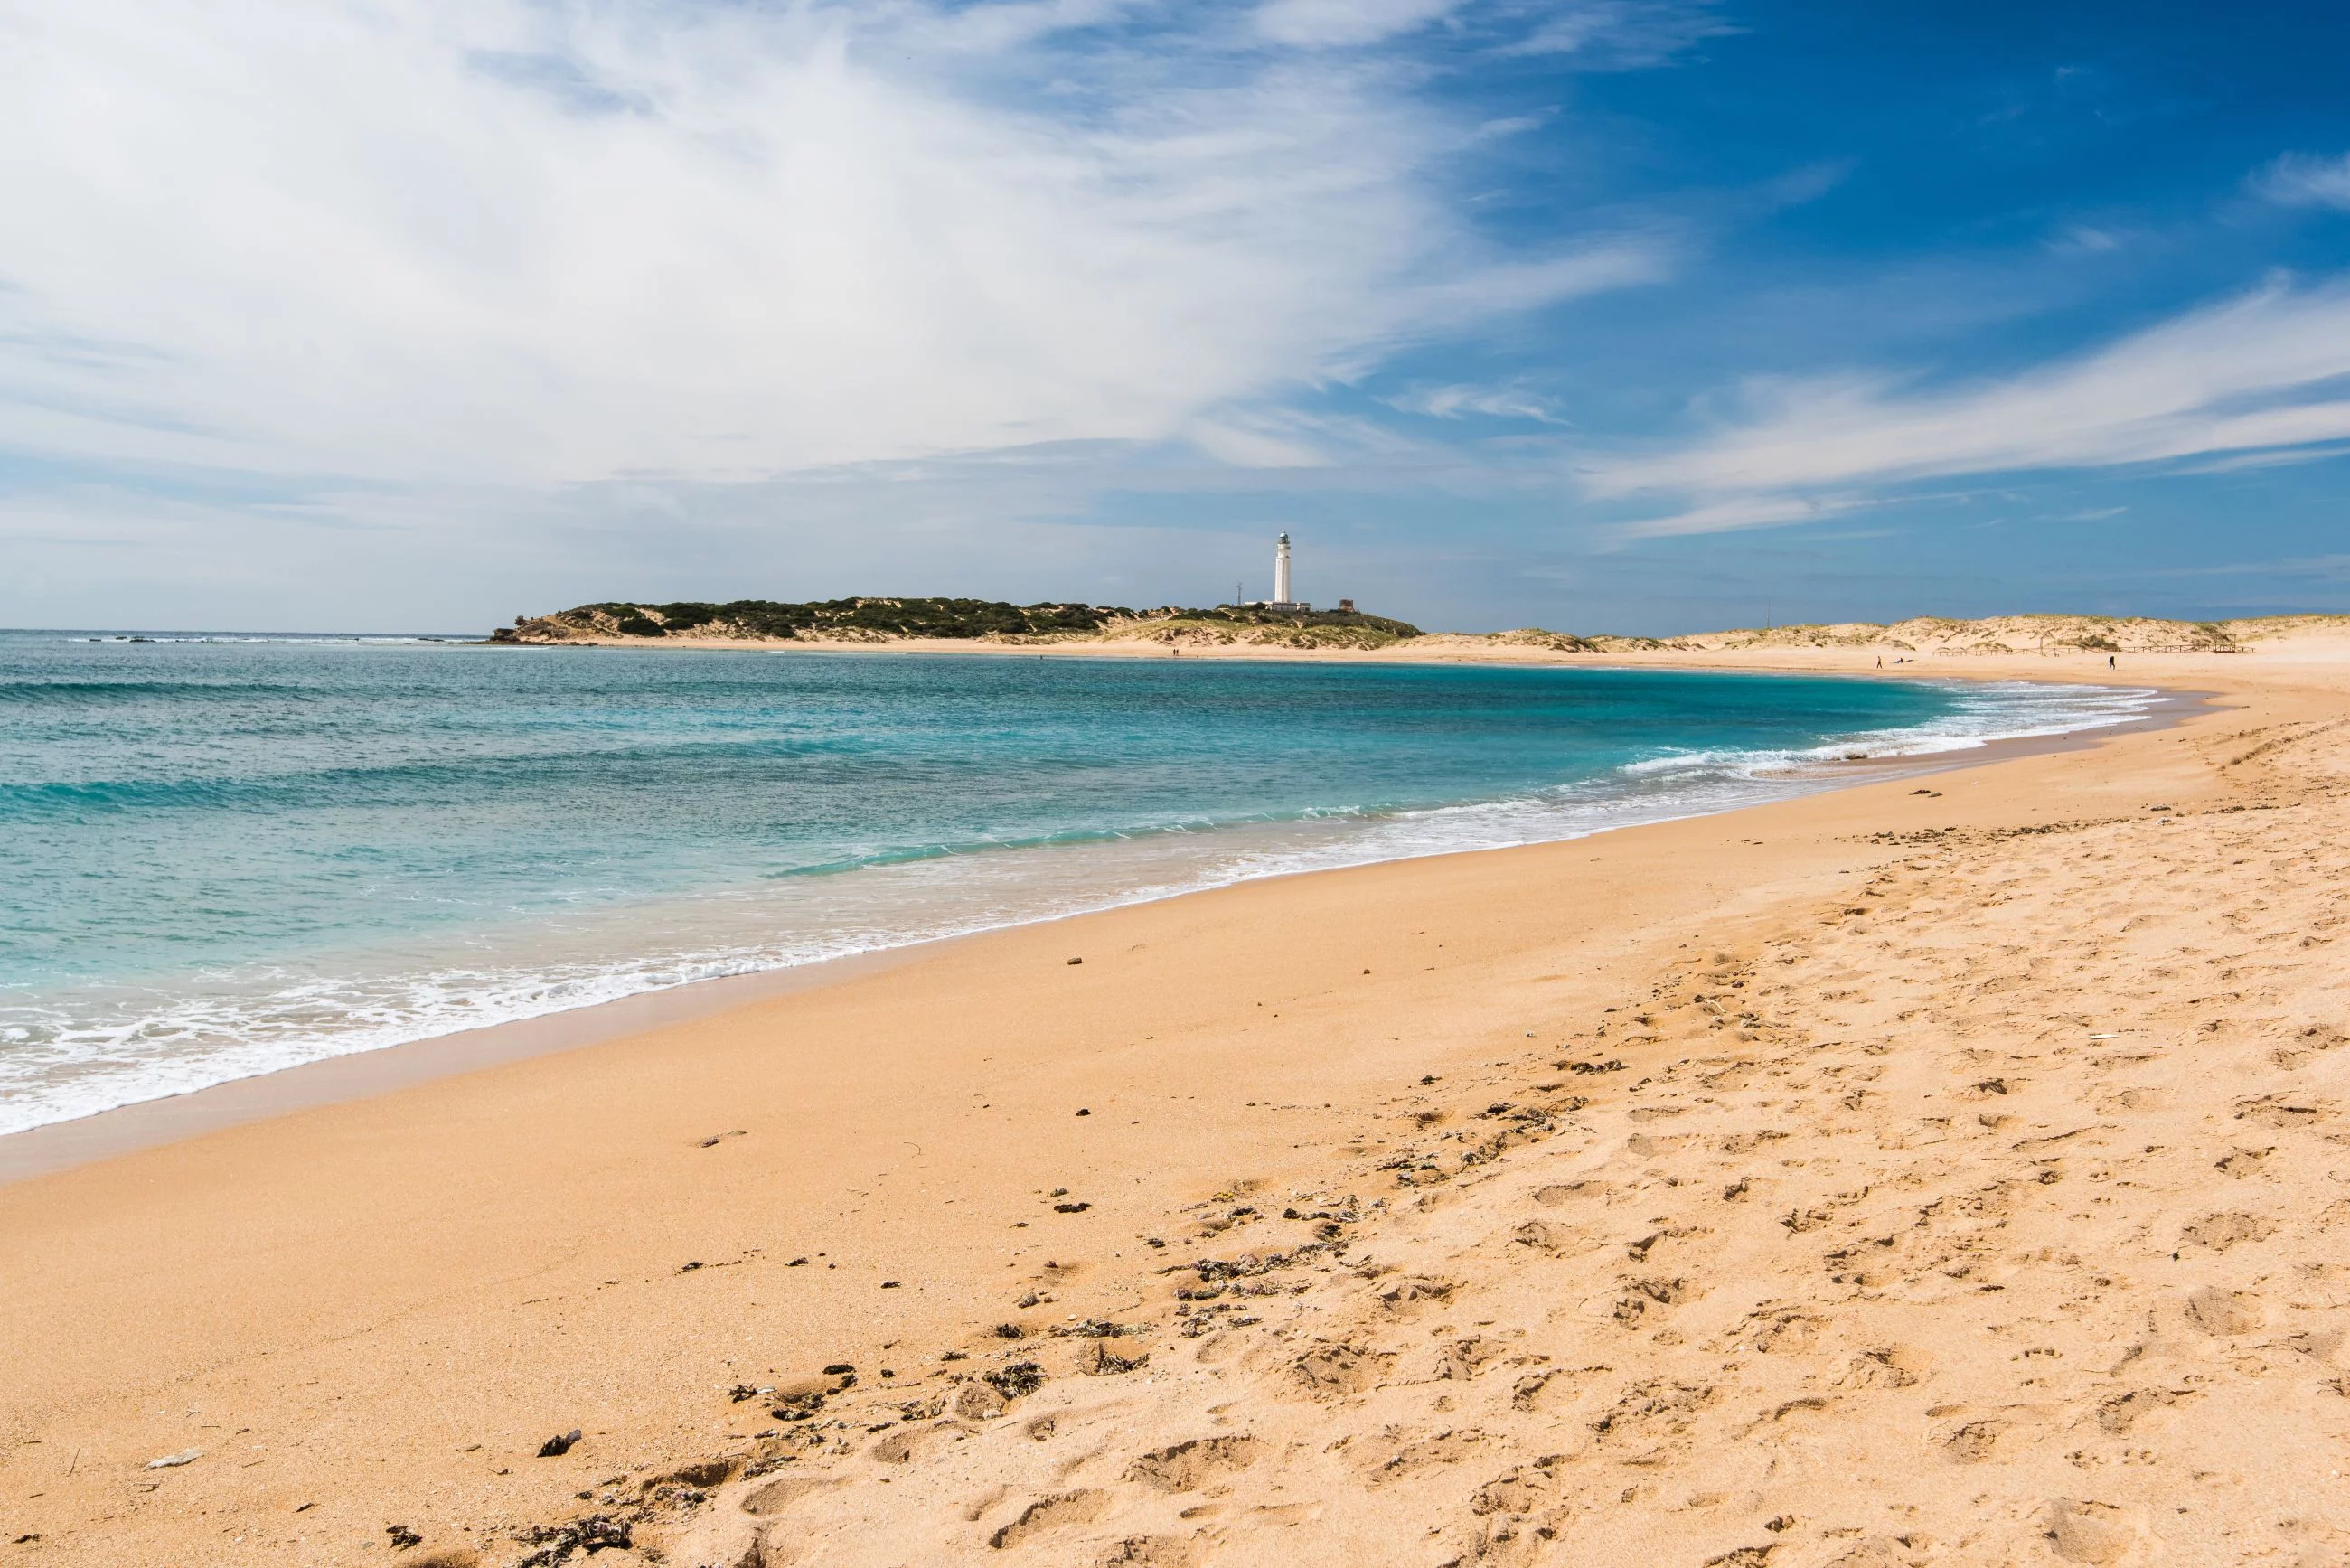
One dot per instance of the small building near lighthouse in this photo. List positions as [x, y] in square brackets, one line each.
[1281, 599]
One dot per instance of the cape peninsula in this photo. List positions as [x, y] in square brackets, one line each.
[973, 623]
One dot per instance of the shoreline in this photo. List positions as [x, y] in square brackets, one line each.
[1440, 1200]
[1431, 648]
[58, 1146]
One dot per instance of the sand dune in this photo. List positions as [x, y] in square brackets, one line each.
[1941, 1171]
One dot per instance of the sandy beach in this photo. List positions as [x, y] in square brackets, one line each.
[1941, 1169]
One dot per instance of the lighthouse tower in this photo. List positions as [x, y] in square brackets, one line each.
[1281, 599]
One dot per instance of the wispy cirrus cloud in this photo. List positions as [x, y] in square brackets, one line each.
[2302, 180]
[2266, 375]
[1513, 401]
[1327, 24]
[500, 241]
[1625, 35]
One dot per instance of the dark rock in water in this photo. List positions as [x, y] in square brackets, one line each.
[556, 1448]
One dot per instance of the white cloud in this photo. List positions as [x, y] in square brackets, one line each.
[1337, 24]
[1739, 513]
[1512, 401]
[2298, 179]
[1624, 34]
[2085, 239]
[505, 242]
[2262, 372]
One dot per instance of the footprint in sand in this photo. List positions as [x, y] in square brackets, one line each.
[907, 1443]
[1411, 1296]
[1539, 1236]
[1563, 1192]
[1151, 1552]
[1887, 1367]
[2088, 1531]
[2220, 1232]
[1973, 1443]
[1649, 1414]
[1332, 1371]
[2223, 1313]
[1189, 1465]
[1051, 1514]
[2119, 1412]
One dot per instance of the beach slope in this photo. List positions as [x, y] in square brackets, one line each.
[1938, 1170]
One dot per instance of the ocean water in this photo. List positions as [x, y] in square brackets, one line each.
[221, 855]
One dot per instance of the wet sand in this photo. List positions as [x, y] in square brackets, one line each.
[1864, 1254]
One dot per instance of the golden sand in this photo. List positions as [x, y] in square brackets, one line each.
[1880, 1177]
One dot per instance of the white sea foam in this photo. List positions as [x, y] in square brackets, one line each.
[78, 1055]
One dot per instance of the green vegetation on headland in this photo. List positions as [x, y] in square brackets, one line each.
[884, 620]
[897, 619]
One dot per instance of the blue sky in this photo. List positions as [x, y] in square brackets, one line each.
[1596, 316]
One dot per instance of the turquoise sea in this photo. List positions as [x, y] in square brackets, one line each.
[224, 854]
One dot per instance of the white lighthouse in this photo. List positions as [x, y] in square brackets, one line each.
[1281, 599]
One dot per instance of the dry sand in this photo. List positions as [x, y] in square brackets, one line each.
[1880, 1178]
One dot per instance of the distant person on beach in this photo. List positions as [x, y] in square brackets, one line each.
[2109, 662]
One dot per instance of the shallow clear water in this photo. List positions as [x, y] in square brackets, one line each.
[220, 856]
